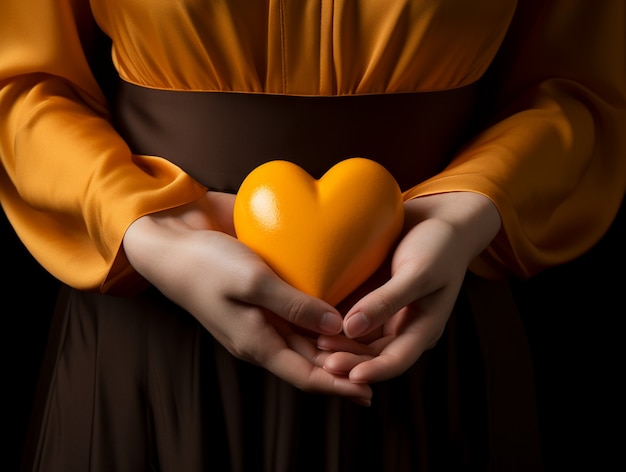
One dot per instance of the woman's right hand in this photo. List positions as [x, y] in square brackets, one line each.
[191, 255]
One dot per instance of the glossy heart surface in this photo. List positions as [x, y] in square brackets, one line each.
[324, 237]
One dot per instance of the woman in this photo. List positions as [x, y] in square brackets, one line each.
[502, 123]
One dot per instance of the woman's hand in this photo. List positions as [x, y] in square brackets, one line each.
[389, 328]
[191, 255]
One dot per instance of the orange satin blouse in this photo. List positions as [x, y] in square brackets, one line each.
[553, 159]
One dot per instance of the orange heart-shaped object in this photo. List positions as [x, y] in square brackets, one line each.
[324, 237]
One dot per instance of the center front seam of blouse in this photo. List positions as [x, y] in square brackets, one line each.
[326, 47]
[283, 43]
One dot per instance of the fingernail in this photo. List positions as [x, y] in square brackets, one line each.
[331, 323]
[357, 325]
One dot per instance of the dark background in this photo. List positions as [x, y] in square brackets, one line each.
[573, 315]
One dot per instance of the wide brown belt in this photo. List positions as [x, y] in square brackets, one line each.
[219, 137]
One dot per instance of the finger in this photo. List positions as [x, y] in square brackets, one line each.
[292, 357]
[303, 344]
[345, 354]
[394, 360]
[341, 363]
[420, 328]
[341, 343]
[314, 380]
[274, 294]
[375, 308]
[295, 369]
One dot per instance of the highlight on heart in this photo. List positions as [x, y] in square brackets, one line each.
[323, 236]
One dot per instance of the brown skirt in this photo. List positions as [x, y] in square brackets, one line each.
[136, 383]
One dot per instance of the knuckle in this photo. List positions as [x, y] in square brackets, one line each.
[249, 284]
[307, 384]
[384, 304]
[250, 353]
[296, 311]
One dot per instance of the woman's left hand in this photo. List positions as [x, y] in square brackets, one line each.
[389, 328]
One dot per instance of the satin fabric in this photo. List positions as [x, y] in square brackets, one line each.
[550, 158]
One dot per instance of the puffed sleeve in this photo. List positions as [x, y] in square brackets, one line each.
[553, 158]
[68, 182]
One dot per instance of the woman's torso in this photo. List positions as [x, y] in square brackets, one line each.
[300, 48]
[304, 47]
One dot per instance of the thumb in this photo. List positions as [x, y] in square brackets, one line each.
[375, 308]
[300, 308]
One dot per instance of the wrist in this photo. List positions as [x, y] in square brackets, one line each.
[473, 216]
